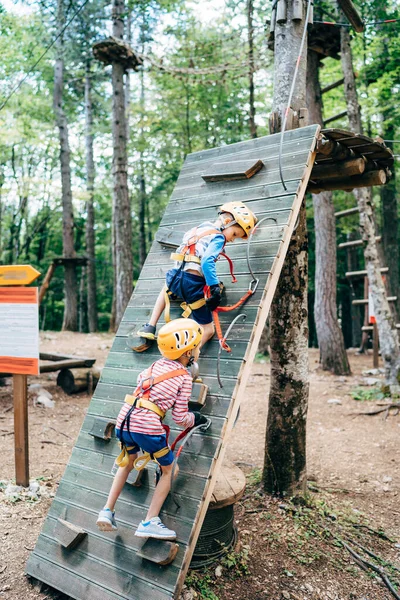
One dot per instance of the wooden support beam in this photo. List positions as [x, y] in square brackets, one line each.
[327, 148]
[159, 552]
[355, 243]
[345, 213]
[352, 14]
[332, 86]
[334, 170]
[335, 117]
[67, 534]
[364, 273]
[46, 281]
[72, 381]
[349, 183]
[361, 301]
[375, 345]
[20, 392]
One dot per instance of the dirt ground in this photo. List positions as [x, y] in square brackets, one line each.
[284, 551]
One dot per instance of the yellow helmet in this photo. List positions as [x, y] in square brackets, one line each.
[178, 336]
[242, 216]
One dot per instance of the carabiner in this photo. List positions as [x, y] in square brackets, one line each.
[151, 379]
[253, 285]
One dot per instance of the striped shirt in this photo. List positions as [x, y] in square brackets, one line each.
[172, 393]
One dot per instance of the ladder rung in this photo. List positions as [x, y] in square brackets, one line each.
[348, 211]
[365, 300]
[371, 327]
[354, 243]
[364, 273]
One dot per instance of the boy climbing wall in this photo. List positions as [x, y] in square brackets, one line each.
[195, 269]
[165, 385]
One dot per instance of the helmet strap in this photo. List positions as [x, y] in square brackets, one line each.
[190, 361]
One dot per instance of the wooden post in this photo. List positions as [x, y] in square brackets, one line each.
[352, 14]
[21, 430]
[375, 342]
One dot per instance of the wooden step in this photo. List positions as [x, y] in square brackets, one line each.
[364, 273]
[347, 212]
[355, 243]
[371, 327]
[365, 300]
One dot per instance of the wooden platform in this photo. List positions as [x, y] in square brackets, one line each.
[105, 566]
[339, 151]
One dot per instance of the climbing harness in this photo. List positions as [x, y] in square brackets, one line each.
[140, 399]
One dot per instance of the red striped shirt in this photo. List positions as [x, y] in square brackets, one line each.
[172, 394]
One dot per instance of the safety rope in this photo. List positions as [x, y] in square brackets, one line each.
[221, 346]
[296, 70]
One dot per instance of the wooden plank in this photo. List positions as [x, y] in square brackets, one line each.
[272, 141]
[352, 14]
[345, 213]
[362, 301]
[364, 273]
[229, 171]
[336, 117]
[371, 327]
[332, 86]
[356, 243]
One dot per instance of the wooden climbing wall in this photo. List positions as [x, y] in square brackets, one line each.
[105, 566]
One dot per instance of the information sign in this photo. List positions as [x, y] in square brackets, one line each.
[19, 331]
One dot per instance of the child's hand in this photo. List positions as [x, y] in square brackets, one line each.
[215, 298]
[199, 419]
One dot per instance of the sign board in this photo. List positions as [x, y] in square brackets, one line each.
[17, 274]
[19, 331]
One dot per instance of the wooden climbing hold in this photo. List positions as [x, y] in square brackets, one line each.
[158, 551]
[199, 395]
[68, 534]
[243, 169]
[102, 429]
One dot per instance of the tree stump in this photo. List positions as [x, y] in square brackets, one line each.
[72, 381]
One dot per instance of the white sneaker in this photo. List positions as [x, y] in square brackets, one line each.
[155, 528]
[106, 520]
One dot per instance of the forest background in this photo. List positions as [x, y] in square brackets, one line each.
[171, 110]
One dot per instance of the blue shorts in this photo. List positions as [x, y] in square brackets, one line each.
[189, 288]
[148, 443]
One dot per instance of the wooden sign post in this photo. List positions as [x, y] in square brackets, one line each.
[19, 350]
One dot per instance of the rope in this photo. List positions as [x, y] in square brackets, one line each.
[43, 54]
[296, 70]
[384, 22]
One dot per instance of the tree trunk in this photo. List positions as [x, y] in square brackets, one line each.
[250, 37]
[70, 321]
[390, 230]
[121, 202]
[285, 451]
[333, 355]
[90, 238]
[388, 336]
[142, 180]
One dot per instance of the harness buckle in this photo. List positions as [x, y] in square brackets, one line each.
[253, 285]
[145, 389]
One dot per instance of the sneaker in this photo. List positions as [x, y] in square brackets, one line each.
[155, 528]
[106, 520]
[147, 335]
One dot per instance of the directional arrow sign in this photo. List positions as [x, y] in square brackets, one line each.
[17, 274]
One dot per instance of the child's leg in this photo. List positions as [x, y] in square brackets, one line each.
[158, 308]
[161, 492]
[209, 331]
[119, 482]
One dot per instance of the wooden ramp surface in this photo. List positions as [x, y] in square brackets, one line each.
[105, 566]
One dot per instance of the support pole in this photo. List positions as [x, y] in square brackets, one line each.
[21, 430]
[351, 13]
